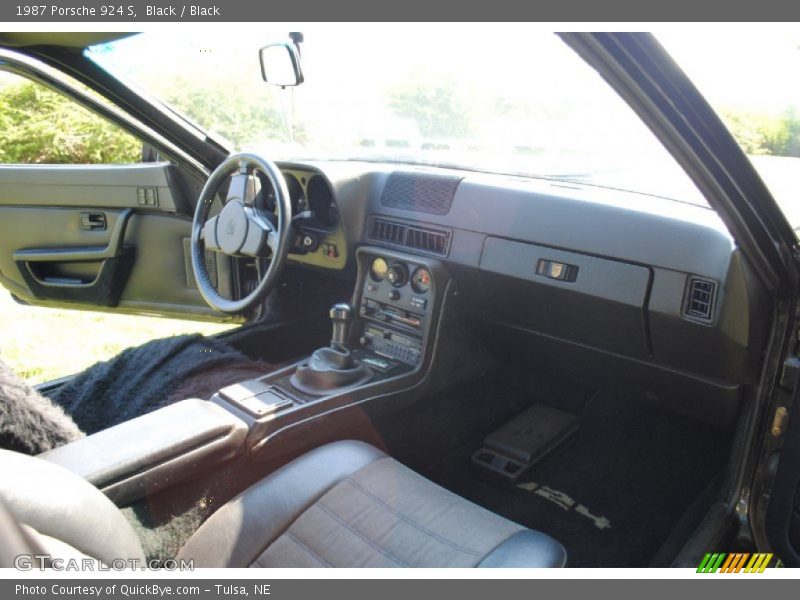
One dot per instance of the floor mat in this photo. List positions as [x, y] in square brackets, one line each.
[613, 491]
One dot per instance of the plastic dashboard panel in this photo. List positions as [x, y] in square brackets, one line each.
[635, 255]
[603, 307]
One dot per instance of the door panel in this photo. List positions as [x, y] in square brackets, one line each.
[109, 236]
[144, 186]
[783, 508]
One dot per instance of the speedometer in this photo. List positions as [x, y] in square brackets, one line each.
[421, 280]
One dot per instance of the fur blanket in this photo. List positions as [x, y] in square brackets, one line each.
[29, 422]
[137, 381]
[144, 378]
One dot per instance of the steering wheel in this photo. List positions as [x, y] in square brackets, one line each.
[244, 228]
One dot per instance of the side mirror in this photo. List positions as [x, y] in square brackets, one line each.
[280, 65]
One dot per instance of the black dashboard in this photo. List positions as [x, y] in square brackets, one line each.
[652, 282]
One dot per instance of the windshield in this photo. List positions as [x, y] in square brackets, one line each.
[500, 99]
[750, 76]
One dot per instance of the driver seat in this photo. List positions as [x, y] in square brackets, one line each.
[346, 504]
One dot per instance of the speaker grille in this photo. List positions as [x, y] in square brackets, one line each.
[428, 193]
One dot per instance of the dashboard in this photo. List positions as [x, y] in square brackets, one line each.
[653, 283]
[318, 239]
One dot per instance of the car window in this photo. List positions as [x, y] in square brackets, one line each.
[42, 126]
[750, 78]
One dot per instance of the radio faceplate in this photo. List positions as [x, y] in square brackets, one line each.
[385, 342]
[396, 302]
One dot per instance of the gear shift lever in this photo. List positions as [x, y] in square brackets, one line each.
[332, 368]
[342, 318]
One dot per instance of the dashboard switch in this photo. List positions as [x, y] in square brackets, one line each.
[418, 302]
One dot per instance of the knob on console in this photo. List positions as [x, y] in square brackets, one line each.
[342, 318]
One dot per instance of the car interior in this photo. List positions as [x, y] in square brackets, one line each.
[468, 369]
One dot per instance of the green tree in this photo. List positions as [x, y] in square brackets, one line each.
[220, 107]
[434, 104]
[42, 126]
[765, 133]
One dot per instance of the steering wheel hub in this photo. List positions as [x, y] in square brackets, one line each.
[231, 229]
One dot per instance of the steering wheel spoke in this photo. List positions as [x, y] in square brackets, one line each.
[209, 235]
[260, 235]
[242, 187]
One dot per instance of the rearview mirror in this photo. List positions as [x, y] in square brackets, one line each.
[280, 65]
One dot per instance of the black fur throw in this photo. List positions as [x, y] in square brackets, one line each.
[29, 422]
[141, 379]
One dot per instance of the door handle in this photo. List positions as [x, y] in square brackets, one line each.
[114, 248]
[93, 221]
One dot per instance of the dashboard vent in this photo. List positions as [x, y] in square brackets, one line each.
[387, 231]
[700, 296]
[421, 192]
[426, 239]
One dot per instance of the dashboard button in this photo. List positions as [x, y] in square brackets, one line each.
[418, 302]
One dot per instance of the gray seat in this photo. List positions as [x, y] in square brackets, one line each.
[346, 504]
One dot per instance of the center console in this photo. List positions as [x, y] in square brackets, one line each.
[381, 343]
[381, 346]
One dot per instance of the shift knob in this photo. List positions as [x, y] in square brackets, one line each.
[342, 318]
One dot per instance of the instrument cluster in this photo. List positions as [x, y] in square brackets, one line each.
[397, 274]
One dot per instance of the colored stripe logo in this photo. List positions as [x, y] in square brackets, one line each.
[737, 562]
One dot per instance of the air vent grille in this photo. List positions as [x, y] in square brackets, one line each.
[700, 296]
[425, 239]
[421, 192]
[388, 231]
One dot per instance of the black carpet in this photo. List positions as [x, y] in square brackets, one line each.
[631, 468]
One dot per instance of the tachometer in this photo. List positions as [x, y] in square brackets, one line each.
[421, 280]
[379, 268]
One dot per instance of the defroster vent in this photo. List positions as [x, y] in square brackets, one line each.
[700, 296]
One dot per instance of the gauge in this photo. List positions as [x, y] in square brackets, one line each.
[296, 197]
[320, 200]
[421, 280]
[397, 274]
[379, 268]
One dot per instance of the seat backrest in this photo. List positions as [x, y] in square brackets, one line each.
[59, 504]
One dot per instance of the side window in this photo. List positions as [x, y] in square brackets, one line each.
[42, 126]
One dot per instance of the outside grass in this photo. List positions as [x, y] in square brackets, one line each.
[41, 344]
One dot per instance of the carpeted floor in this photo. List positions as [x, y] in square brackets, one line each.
[612, 492]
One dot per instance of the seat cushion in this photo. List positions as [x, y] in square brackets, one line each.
[65, 510]
[349, 505]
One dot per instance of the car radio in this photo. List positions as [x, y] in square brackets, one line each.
[391, 344]
[395, 306]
